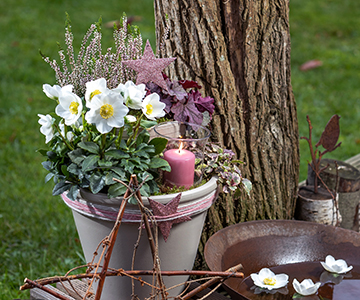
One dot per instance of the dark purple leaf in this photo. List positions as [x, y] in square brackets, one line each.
[330, 134]
[168, 101]
[188, 84]
[176, 89]
[186, 111]
[203, 104]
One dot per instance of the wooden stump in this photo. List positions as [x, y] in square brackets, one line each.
[348, 189]
[319, 208]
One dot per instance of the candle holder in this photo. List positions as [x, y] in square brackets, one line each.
[184, 151]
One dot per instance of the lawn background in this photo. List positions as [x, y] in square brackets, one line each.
[37, 233]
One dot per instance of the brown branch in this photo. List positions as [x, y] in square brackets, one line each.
[45, 289]
[121, 272]
[211, 282]
[112, 240]
[151, 240]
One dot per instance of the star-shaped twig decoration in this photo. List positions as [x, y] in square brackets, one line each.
[149, 68]
[167, 210]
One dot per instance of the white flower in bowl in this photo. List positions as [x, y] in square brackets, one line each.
[268, 280]
[335, 266]
[306, 287]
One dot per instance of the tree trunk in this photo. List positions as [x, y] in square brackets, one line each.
[239, 52]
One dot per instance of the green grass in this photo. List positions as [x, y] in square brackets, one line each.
[328, 31]
[37, 232]
[38, 237]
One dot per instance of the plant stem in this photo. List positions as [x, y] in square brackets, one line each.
[118, 140]
[63, 138]
[135, 130]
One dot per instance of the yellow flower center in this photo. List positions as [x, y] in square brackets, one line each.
[149, 109]
[74, 107]
[92, 94]
[106, 111]
[270, 281]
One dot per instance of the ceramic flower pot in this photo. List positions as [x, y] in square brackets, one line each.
[94, 216]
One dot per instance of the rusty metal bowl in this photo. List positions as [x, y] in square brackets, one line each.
[260, 244]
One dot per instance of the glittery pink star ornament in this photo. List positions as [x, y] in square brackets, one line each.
[149, 68]
[167, 210]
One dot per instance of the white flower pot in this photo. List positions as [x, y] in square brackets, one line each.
[91, 213]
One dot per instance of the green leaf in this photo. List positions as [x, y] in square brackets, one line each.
[132, 200]
[43, 152]
[143, 137]
[105, 163]
[159, 144]
[73, 192]
[142, 176]
[47, 165]
[157, 162]
[64, 170]
[128, 166]
[97, 182]
[119, 171]
[109, 178]
[116, 190]
[117, 154]
[247, 185]
[147, 124]
[48, 177]
[77, 156]
[74, 169]
[145, 190]
[89, 163]
[61, 187]
[136, 160]
[90, 146]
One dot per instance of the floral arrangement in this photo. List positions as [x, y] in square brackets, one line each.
[100, 128]
[269, 282]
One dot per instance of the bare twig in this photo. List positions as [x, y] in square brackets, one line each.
[112, 240]
[210, 282]
[121, 272]
[45, 289]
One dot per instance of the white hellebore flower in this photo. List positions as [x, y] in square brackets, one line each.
[93, 88]
[69, 135]
[152, 107]
[54, 92]
[130, 119]
[335, 266]
[133, 94]
[306, 287]
[268, 280]
[107, 111]
[70, 107]
[46, 127]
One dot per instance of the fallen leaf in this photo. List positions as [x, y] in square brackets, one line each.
[311, 64]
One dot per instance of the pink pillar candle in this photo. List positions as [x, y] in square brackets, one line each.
[182, 163]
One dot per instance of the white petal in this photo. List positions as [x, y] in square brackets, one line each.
[103, 126]
[329, 260]
[91, 86]
[281, 280]
[306, 287]
[266, 273]
[52, 91]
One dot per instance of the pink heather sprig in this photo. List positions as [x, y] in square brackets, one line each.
[91, 64]
[69, 38]
[90, 31]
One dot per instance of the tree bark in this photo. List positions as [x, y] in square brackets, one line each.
[239, 52]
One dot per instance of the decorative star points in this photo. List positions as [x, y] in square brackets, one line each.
[166, 210]
[149, 68]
